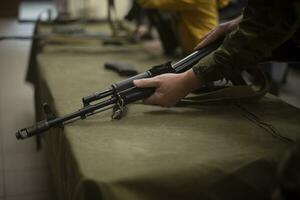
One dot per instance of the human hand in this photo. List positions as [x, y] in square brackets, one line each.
[170, 88]
[141, 30]
[220, 31]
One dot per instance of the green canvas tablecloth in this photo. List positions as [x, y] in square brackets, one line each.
[199, 152]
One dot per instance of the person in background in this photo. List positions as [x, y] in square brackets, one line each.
[194, 17]
[265, 26]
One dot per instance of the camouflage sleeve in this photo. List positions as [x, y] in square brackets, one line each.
[266, 25]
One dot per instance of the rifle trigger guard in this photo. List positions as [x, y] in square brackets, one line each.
[118, 108]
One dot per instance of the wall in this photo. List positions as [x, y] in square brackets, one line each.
[96, 8]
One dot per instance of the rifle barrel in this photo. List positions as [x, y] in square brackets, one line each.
[45, 125]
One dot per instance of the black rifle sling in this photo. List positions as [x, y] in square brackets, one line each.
[239, 92]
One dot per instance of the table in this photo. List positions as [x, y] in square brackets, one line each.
[194, 152]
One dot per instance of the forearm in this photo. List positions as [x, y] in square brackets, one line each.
[262, 29]
[190, 80]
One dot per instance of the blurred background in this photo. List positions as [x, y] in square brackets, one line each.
[23, 170]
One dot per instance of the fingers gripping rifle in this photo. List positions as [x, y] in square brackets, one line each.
[116, 97]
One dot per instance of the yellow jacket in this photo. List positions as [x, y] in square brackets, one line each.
[196, 17]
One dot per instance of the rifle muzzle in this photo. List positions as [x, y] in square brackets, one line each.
[32, 130]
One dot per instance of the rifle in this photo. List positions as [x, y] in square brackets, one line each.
[117, 96]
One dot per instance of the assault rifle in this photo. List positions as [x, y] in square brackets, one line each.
[116, 97]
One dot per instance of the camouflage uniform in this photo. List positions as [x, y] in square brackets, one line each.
[266, 25]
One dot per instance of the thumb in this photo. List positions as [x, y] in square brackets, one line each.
[199, 45]
[145, 83]
[215, 35]
[207, 41]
